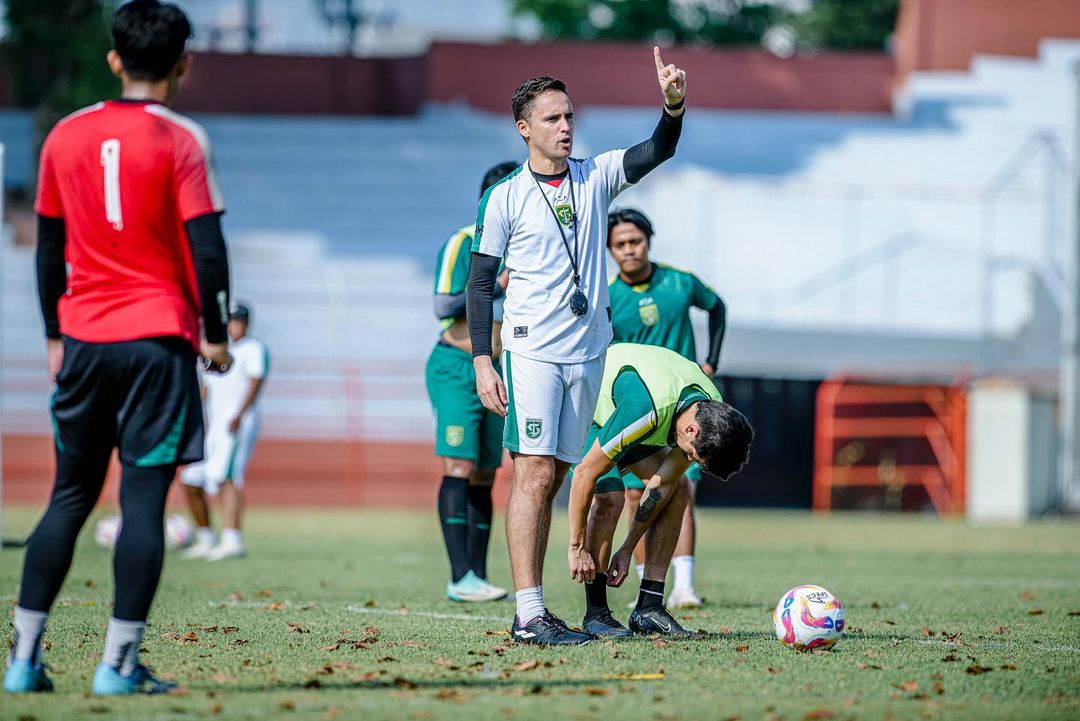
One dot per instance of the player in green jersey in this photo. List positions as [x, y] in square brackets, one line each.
[650, 304]
[468, 438]
[657, 413]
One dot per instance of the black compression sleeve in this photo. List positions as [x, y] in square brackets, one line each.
[717, 328]
[211, 273]
[51, 271]
[480, 292]
[648, 154]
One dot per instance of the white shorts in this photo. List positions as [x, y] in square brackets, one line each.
[550, 405]
[226, 457]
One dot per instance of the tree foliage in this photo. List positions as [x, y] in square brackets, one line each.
[837, 24]
[719, 22]
[55, 54]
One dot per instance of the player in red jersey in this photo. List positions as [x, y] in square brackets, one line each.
[130, 256]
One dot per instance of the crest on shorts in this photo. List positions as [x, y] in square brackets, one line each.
[534, 427]
[455, 436]
[565, 213]
[649, 311]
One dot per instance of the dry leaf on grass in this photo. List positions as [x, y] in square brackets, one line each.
[773, 669]
[926, 632]
[170, 636]
[871, 666]
[951, 657]
[976, 670]
[452, 695]
[386, 659]
[1027, 596]
[1036, 611]
[596, 691]
[331, 647]
[287, 705]
[1009, 667]
[1073, 613]
[276, 606]
[907, 686]
[660, 643]
[939, 688]
[819, 713]
[229, 629]
[404, 683]
[312, 683]
[1001, 629]
[741, 649]
[446, 663]
[189, 637]
[414, 644]
[527, 665]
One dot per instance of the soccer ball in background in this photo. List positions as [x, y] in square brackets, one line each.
[808, 617]
[178, 531]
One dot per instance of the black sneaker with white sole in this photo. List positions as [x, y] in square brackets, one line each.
[547, 630]
[604, 625]
[657, 620]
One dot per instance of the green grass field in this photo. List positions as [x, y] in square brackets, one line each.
[341, 615]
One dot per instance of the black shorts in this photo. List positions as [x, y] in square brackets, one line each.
[140, 397]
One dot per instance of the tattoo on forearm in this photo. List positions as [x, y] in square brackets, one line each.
[647, 507]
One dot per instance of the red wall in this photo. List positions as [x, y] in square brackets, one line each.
[945, 34]
[320, 85]
[485, 77]
[618, 74]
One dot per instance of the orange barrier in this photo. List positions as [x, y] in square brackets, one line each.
[919, 432]
[283, 472]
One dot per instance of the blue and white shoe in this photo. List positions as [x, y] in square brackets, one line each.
[109, 682]
[24, 677]
[473, 589]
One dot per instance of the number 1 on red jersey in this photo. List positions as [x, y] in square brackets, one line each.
[110, 162]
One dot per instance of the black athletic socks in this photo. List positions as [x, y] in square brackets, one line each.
[650, 595]
[479, 533]
[596, 594]
[453, 516]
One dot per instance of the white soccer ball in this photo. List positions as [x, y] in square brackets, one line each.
[808, 617]
[178, 531]
[106, 531]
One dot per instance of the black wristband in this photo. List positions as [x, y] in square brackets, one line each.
[676, 106]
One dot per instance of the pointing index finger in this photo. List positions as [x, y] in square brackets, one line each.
[656, 57]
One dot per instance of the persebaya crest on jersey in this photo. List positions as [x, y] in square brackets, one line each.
[649, 311]
[565, 213]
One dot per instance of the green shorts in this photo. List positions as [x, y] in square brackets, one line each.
[463, 427]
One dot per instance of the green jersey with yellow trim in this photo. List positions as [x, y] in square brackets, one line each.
[657, 312]
[452, 267]
[643, 389]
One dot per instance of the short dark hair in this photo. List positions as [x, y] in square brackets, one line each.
[530, 90]
[724, 438]
[150, 37]
[495, 174]
[629, 215]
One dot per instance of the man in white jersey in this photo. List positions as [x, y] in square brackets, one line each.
[549, 220]
[232, 428]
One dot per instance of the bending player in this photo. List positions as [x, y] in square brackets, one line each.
[468, 437]
[657, 413]
[127, 197]
[650, 304]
